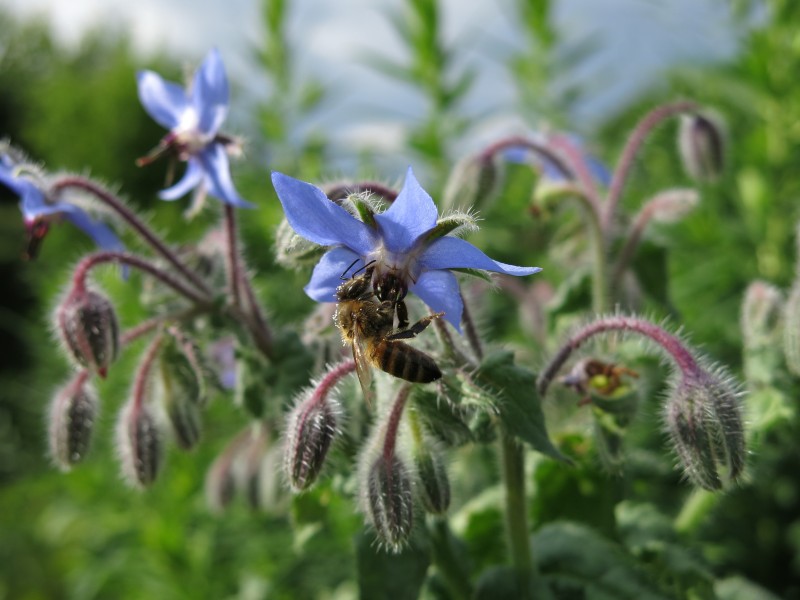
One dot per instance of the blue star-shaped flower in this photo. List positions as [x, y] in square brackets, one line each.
[194, 117]
[39, 210]
[402, 244]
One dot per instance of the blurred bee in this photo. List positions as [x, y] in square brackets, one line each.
[368, 326]
[591, 375]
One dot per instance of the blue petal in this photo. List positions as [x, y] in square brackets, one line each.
[328, 273]
[210, 93]
[163, 100]
[190, 180]
[455, 253]
[99, 232]
[440, 291]
[517, 154]
[33, 203]
[214, 160]
[319, 220]
[410, 215]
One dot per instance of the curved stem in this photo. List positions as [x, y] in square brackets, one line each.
[340, 191]
[471, 331]
[82, 270]
[671, 344]
[136, 223]
[262, 334]
[393, 424]
[598, 242]
[634, 143]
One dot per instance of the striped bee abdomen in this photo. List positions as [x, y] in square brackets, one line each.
[403, 361]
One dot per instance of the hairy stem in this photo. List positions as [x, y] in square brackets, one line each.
[232, 256]
[136, 224]
[671, 345]
[634, 143]
[98, 258]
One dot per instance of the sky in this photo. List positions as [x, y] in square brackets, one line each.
[634, 42]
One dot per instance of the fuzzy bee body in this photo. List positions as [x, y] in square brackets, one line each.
[366, 324]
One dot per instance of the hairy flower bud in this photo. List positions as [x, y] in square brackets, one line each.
[87, 323]
[310, 430]
[293, 251]
[434, 485]
[73, 412]
[390, 501]
[704, 421]
[140, 443]
[701, 143]
[473, 182]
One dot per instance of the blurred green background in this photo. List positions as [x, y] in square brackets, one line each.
[86, 535]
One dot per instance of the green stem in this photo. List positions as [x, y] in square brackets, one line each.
[516, 510]
[444, 558]
[599, 266]
[695, 510]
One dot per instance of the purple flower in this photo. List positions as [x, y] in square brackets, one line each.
[404, 243]
[194, 117]
[40, 208]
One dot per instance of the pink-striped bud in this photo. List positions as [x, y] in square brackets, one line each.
[701, 142]
[73, 412]
[704, 421]
[390, 501]
[309, 434]
[140, 443]
[87, 323]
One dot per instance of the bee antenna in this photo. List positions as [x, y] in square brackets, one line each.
[367, 265]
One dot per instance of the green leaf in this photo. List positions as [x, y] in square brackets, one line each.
[577, 562]
[382, 574]
[518, 403]
[652, 271]
[503, 583]
[573, 295]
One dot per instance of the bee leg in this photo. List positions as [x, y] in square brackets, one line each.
[402, 315]
[414, 330]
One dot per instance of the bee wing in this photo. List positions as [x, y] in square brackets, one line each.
[363, 368]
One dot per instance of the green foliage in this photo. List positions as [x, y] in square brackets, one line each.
[604, 512]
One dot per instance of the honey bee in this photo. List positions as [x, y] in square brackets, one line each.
[600, 377]
[367, 324]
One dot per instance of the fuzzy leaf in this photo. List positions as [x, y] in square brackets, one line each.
[578, 562]
[518, 404]
[383, 574]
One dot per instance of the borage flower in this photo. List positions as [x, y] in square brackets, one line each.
[41, 207]
[407, 243]
[194, 117]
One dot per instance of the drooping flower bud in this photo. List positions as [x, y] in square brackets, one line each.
[434, 485]
[183, 388]
[311, 427]
[701, 142]
[140, 443]
[293, 251]
[87, 323]
[704, 421]
[73, 412]
[390, 501]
